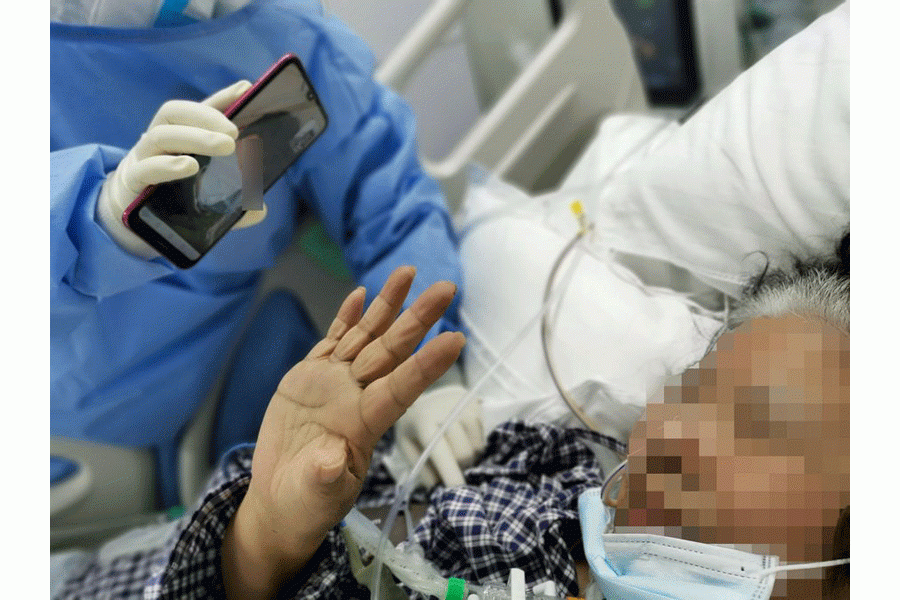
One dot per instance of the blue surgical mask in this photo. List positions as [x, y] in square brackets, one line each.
[654, 567]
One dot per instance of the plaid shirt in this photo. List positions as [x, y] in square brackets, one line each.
[517, 509]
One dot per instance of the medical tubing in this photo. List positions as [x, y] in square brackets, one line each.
[497, 591]
[609, 442]
[586, 190]
[415, 571]
[410, 567]
[584, 229]
[605, 485]
[405, 489]
[627, 276]
[511, 208]
[726, 317]
[407, 516]
[545, 343]
[485, 350]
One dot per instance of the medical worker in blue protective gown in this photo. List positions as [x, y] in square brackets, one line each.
[136, 344]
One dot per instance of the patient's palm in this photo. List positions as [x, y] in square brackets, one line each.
[321, 426]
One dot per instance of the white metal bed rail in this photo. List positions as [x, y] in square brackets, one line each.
[539, 125]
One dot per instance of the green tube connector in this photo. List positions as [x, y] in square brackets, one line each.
[456, 589]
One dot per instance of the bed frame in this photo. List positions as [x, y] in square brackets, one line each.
[539, 125]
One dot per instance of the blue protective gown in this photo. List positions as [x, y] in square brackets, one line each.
[136, 344]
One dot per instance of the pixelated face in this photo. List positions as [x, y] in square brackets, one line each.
[751, 448]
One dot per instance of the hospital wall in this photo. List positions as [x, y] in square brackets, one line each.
[441, 93]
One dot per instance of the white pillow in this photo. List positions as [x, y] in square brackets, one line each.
[764, 166]
[612, 342]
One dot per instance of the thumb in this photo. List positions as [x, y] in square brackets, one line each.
[319, 483]
[325, 481]
[329, 460]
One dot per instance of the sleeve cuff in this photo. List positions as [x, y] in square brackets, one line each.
[193, 565]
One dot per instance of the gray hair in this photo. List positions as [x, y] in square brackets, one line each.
[819, 287]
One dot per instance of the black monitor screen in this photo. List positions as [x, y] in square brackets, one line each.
[662, 36]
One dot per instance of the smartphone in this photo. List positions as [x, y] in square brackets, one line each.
[277, 119]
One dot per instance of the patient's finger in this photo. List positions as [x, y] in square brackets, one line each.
[386, 399]
[379, 316]
[348, 315]
[398, 342]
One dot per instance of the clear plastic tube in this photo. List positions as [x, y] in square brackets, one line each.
[495, 591]
[410, 566]
[407, 564]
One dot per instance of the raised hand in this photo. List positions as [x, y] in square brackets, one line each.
[321, 426]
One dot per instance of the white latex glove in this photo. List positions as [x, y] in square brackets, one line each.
[179, 128]
[461, 444]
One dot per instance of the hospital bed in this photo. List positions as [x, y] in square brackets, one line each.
[542, 125]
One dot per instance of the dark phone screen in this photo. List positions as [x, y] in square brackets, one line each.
[278, 123]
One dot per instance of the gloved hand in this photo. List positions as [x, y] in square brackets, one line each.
[180, 127]
[322, 424]
[462, 443]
